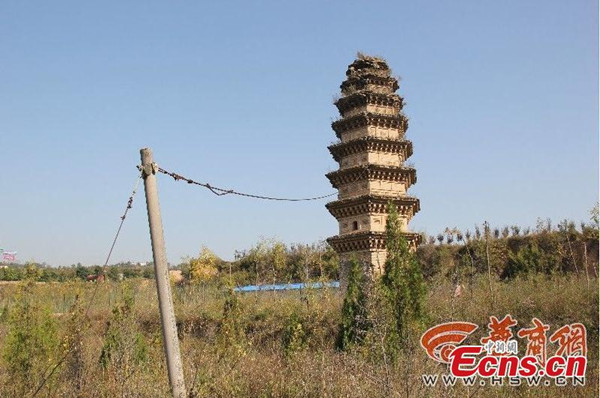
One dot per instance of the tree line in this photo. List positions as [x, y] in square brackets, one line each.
[510, 252]
[505, 252]
[45, 273]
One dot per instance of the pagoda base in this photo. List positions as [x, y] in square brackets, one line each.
[368, 248]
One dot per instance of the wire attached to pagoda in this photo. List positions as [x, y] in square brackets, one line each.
[221, 191]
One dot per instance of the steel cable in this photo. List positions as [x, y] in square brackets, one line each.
[221, 191]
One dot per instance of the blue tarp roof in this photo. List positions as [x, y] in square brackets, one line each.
[288, 286]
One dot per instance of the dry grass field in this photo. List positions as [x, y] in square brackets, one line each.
[265, 344]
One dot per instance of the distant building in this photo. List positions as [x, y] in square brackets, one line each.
[371, 153]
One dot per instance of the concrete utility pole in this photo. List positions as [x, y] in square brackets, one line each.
[161, 270]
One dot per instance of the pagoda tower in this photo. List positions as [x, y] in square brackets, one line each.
[371, 152]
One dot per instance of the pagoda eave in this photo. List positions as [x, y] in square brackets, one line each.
[359, 98]
[367, 241]
[408, 175]
[361, 81]
[369, 143]
[373, 204]
[398, 121]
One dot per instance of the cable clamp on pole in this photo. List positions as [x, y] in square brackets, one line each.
[149, 169]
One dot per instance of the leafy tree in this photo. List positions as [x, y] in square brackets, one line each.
[148, 272]
[459, 236]
[204, 267]
[31, 343]
[82, 272]
[355, 323]
[329, 262]
[294, 335]
[270, 260]
[231, 337]
[255, 261]
[113, 273]
[402, 283]
[595, 215]
[11, 274]
[124, 350]
[595, 218]
[32, 272]
[297, 262]
[277, 258]
[527, 260]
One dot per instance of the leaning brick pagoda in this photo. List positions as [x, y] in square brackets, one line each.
[371, 151]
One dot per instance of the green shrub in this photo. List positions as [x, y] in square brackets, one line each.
[124, 349]
[32, 344]
[231, 339]
[402, 289]
[355, 323]
[294, 335]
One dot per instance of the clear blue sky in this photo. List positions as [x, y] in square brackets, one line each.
[502, 98]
